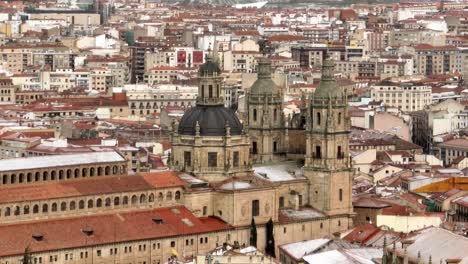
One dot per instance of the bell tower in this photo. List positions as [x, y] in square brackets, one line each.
[327, 160]
[265, 118]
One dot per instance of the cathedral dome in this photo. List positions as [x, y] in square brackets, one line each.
[212, 121]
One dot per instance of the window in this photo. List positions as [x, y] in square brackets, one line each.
[254, 147]
[318, 118]
[98, 252]
[254, 113]
[340, 195]
[205, 210]
[235, 159]
[255, 208]
[318, 152]
[172, 243]
[275, 146]
[339, 153]
[212, 159]
[281, 202]
[187, 158]
[210, 91]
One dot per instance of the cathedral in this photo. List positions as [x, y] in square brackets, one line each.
[249, 167]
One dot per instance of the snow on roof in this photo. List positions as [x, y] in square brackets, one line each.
[59, 160]
[235, 185]
[300, 249]
[286, 171]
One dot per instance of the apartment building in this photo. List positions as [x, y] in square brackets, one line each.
[431, 60]
[404, 96]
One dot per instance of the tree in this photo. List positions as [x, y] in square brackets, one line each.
[253, 233]
[27, 258]
[129, 37]
[270, 239]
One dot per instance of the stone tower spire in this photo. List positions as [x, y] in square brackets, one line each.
[327, 152]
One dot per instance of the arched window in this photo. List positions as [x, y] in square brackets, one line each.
[84, 172]
[69, 173]
[4, 180]
[142, 198]
[21, 178]
[254, 113]
[72, 205]
[61, 174]
[7, 211]
[54, 207]
[169, 196]
[340, 194]
[108, 202]
[52, 175]
[90, 203]
[91, 172]
[63, 206]
[37, 176]
[116, 201]
[13, 178]
[35, 209]
[99, 171]
[26, 209]
[45, 176]
[160, 197]
[151, 198]
[125, 200]
[77, 173]
[45, 208]
[115, 170]
[177, 195]
[134, 199]
[319, 118]
[17, 210]
[29, 177]
[98, 203]
[107, 171]
[339, 118]
[81, 204]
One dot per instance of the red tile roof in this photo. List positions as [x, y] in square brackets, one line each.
[90, 186]
[106, 229]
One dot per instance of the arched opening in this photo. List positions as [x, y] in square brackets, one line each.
[72, 205]
[108, 202]
[169, 196]
[98, 203]
[37, 176]
[339, 153]
[7, 211]
[254, 115]
[84, 172]
[107, 171]
[54, 207]
[91, 172]
[63, 206]
[69, 173]
[99, 171]
[125, 200]
[151, 198]
[160, 197]
[318, 152]
[61, 174]
[26, 209]
[142, 199]
[339, 118]
[45, 176]
[134, 199]
[77, 173]
[21, 178]
[81, 204]
[45, 208]
[90, 203]
[35, 209]
[17, 210]
[115, 170]
[29, 177]
[52, 175]
[116, 201]
[4, 180]
[177, 195]
[319, 118]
